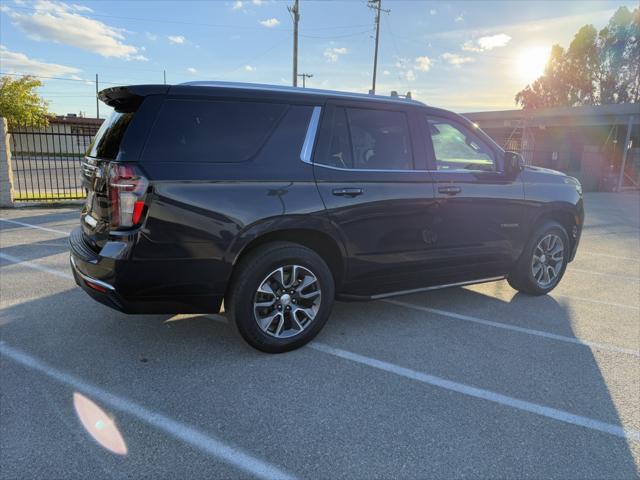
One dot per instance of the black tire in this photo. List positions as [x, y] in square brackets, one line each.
[249, 275]
[522, 277]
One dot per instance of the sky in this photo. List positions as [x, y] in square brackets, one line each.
[460, 55]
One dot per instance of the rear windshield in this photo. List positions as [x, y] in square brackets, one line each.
[107, 141]
[211, 131]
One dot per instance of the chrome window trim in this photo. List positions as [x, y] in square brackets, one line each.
[379, 170]
[310, 137]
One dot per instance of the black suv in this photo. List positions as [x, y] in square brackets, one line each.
[277, 200]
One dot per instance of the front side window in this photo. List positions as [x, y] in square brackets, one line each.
[456, 148]
[211, 131]
[368, 139]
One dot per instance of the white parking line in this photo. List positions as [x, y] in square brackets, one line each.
[612, 275]
[35, 266]
[488, 395]
[196, 438]
[22, 224]
[597, 254]
[600, 302]
[505, 326]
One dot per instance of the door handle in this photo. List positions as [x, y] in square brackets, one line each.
[347, 192]
[450, 190]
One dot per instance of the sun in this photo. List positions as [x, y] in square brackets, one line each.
[531, 62]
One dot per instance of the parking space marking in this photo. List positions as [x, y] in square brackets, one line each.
[613, 275]
[528, 331]
[483, 394]
[597, 254]
[35, 266]
[196, 438]
[601, 302]
[28, 225]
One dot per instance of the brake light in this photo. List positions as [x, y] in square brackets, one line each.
[127, 187]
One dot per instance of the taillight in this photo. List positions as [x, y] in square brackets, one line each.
[127, 187]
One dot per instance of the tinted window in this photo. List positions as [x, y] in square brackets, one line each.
[107, 141]
[456, 148]
[340, 146]
[211, 131]
[369, 139]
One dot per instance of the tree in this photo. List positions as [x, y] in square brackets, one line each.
[20, 104]
[597, 68]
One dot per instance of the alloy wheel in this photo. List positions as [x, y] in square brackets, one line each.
[547, 261]
[287, 301]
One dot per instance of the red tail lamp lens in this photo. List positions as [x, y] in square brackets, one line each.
[127, 187]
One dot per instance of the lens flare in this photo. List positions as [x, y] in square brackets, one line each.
[99, 425]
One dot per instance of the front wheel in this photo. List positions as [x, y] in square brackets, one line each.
[543, 261]
[281, 296]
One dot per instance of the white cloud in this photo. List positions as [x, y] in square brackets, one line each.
[237, 5]
[455, 59]
[192, 70]
[423, 63]
[257, 2]
[61, 23]
[270, 22]
[176, 39]
[386, 72]
[409, 75]
[249, 68]
[80, 8]
[494, 41]
[487, 43]
[14, 62]
[433, 11]
[332, 54]
[86, 81]
[151, 36]
[459, 18]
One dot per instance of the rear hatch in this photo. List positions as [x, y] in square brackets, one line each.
[114, 183]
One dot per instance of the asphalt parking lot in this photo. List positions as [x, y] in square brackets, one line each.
[474, 382]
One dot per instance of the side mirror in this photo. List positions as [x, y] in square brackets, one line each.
[513, 163]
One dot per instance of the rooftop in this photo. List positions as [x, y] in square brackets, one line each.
[559, 116]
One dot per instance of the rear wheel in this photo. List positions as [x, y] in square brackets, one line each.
[543, 261]
[281, 296]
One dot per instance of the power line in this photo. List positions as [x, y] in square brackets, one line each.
[85, 81]
[201, 24]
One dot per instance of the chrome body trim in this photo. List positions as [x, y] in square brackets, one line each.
[436, 287]
[89, 279]
[310, 137]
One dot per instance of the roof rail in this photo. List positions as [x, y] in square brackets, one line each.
[300, 91]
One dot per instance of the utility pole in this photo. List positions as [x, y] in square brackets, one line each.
[97, 99]
[304, 77]
[295, 13]
[164, 75]
[377, 6]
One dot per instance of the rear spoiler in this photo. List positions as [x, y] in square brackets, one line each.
[128, 99]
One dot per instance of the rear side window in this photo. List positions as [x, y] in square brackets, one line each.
[106, 143]
[211, 131]
[370, 140]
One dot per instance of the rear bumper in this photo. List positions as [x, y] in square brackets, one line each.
[110, 278]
